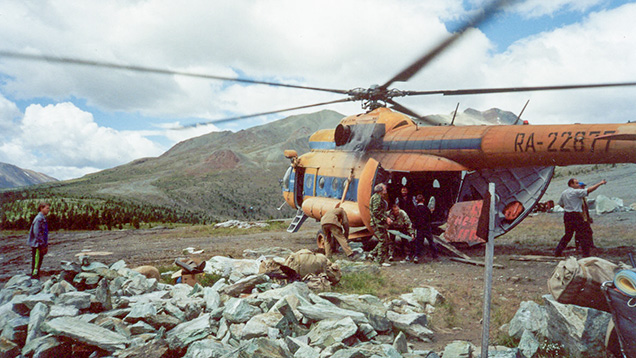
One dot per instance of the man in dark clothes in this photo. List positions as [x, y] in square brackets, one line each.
[39, 239]
[406, 202]
[422, 224]
[574, 217]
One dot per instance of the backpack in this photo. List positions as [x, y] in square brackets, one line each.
[579, 282]
[306, 262]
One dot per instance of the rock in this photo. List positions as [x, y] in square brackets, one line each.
[152, 349]
[371, 306]
[458, 349]
[118, 265]
[322, 312]
[23, 284]
[141, 327]
[528, 345]
[8, 348]
[162, 320]
[181, 291]
[86, 280]
[259, 325]
[428, 295]
[329, 331]
[259, 348]
[62, 310]
[400, 343]
[36, 317]
[187, 332]
[94, 267]
[141, 312]
[102, 296]
[174, 311]
[367, 332]
[529, 317]
[244, 285]
[47, 346]
[378, 350]
[298, 289]
[88, 333]
[137, 285]
[15, 329]
[61, 287]
[225, 267]
[212, 299]
[77, 299]
[580, 330]
[237, 310]
[207, 348]
[500, 352]
[31, 300]
[306, 352]
[413, 324]
[606, 205]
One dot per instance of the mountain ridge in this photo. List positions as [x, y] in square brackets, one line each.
[12, 176]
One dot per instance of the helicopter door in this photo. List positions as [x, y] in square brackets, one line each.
[299, 186]
[371, 175]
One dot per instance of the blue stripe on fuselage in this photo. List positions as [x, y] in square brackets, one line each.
[322, 145]
[435, 144]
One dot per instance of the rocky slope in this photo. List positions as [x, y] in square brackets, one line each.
[12, 177]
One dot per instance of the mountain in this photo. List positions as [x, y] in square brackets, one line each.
[13, 177]
[221, 174]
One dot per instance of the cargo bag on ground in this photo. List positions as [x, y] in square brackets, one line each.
[579, 282]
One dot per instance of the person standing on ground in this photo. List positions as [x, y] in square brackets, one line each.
[573, 218]
[39, 239]
[379, 223]
[422, 223]
[335, 225]
[406, 202]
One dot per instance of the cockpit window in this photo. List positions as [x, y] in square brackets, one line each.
[286, 178]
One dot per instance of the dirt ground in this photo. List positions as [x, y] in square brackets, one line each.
[461, 284]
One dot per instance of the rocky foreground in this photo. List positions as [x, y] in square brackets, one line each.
[94, 310]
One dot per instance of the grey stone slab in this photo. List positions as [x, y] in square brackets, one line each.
[87, 333]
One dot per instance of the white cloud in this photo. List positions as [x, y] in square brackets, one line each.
[330, 44]
[63, 141]
[538, 8]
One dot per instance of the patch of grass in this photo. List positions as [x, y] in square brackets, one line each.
[445, 316]
[205, 279]
[504, 339]
[365, 283]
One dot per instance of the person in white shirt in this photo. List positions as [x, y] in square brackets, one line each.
[573, 217]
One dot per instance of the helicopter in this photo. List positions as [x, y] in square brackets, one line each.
[391, 143]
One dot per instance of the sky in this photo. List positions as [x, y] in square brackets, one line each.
[70, 120]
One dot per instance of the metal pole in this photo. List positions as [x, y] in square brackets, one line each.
[490, 250]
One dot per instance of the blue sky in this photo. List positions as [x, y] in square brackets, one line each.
[67, 121]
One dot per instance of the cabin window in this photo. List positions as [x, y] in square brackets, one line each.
[321, 183]
[334, 184]
[401, 124]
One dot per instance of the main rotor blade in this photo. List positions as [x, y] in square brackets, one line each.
[515, 89]
[414, 68]
[400, 108]
[101, 64]
[230, 119]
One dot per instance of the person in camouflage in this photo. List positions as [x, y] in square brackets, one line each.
[379, 224]
[401, 223]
